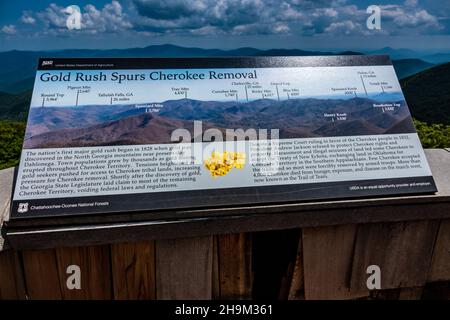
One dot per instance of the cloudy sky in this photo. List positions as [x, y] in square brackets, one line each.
[305, 24]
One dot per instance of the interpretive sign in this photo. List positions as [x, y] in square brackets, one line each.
[115, 135]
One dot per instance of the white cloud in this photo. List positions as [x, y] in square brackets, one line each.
[410, 17]
[411, 3]
[53, 17]
[207, 30]
[326, 12]
[110, 18]
[9, 29]
[288, 13]
[27, 18]
[281, 28]
[343, 27]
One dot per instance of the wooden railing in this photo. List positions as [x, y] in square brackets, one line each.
[314, 250]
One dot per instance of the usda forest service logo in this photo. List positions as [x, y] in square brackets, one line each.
[23, 207]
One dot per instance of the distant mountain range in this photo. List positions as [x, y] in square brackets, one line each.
[17, 68]
[407, 67]
[396, 53]
[295, 118]
[437, 58]
[428, 94]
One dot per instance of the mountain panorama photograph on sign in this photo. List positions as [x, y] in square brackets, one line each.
[126, 124]
[287, 106]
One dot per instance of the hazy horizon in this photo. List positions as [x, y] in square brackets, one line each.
[261, 48]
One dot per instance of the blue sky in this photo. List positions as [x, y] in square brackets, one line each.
[321, 25]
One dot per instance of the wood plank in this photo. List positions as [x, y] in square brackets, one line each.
[133, 270]
[414, 293]
[286, 280]
[235, 266]
[184, 268]
[287, 277]
[328, 256]
[440, 263]
[388, 294]
[12, 286]
[41, 274]
[297, 286]
[215, 270]
[437, 291]
[94, 263]
[402, 251]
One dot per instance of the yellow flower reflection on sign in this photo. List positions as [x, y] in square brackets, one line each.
[219, 164]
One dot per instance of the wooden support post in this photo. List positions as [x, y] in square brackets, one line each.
[184, 268]
[235, 266]
[297, 286]
[440, 263]
[328, 257]
[133, 270]
[12, 286]
[402, 251]
[215, 270]
[286, 280]
[94, 264]
[41, 274]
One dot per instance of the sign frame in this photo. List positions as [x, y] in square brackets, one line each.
[167, 205]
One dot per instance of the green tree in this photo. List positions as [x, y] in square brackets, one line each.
[433, 135]
[11, 140]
